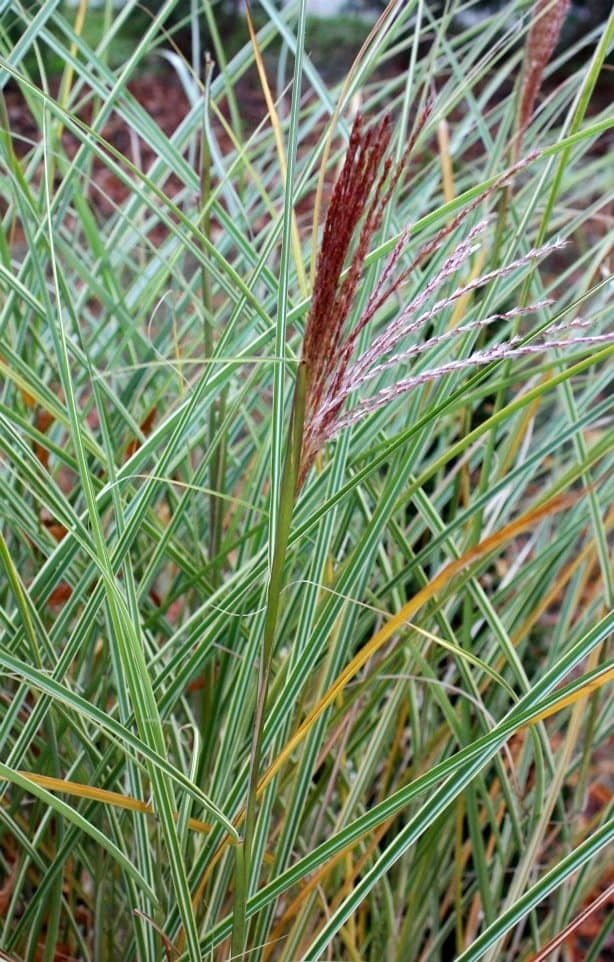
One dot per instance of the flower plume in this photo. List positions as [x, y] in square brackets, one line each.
[547, 20]
[333, 371]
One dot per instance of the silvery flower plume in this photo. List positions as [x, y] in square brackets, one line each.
[334, 370]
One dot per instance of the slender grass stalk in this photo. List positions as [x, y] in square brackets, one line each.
[216, 417]
[287, 497]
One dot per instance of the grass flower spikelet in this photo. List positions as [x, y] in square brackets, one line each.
[547, 20]
[334, 369]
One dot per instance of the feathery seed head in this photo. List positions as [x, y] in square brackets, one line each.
[333, 371]
[547, 20]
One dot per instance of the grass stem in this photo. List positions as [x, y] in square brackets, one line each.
[287, 497]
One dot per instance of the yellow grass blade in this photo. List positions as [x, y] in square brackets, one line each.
[593, 684]
[102, 795]
[447, 176]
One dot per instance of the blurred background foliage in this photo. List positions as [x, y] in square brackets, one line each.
[336, 35]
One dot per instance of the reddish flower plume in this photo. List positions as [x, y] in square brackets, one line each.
[360, 197]
[333, 370]
[547, 21]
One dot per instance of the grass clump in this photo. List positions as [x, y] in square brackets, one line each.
[306, 456]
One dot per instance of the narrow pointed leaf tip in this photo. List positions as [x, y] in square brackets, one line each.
[333, 371]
